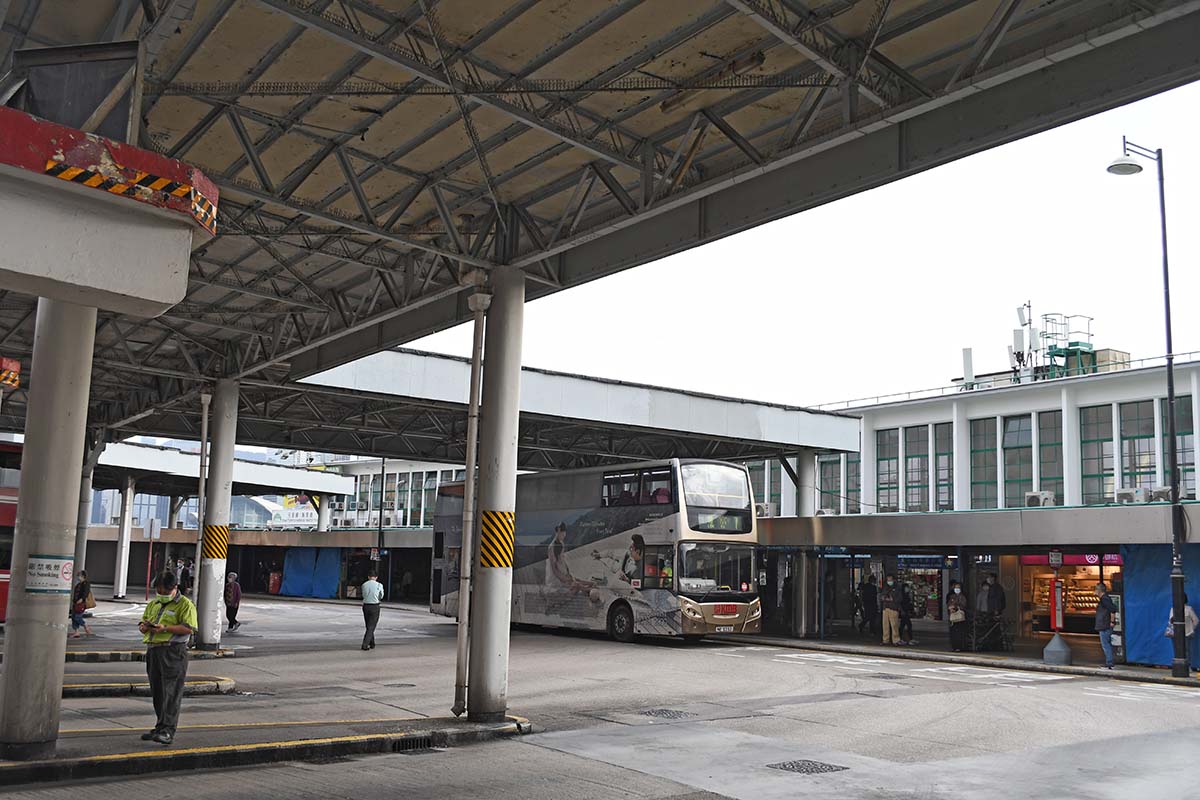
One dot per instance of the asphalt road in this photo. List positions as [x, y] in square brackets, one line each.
[662, 719]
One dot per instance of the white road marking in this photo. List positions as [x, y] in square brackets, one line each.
[729, 655]
[827, 658]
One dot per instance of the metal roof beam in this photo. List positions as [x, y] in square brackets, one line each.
[414, 64]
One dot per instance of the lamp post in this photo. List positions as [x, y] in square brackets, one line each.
[1128, 164]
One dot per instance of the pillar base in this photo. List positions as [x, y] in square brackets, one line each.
[208, 645]
[486, 716]
[28, 751]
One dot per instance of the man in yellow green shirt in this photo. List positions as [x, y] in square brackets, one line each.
[167, 623]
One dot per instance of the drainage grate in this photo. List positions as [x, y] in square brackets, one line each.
[667, 713]
[399, 685]
[806, 767]
[412, 744]
[884, 676]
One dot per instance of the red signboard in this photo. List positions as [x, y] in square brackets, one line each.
[725, 609]
[1076, 560]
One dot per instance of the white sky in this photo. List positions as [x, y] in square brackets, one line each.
[879, 292]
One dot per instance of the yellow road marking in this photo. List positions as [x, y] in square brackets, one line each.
[232, 725]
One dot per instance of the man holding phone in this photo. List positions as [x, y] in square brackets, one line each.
[166, 625]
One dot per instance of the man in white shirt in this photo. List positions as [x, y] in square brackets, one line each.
[372, 595]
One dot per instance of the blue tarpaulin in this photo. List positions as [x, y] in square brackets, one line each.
[327, 575]
[312, 572]
[1147, 599]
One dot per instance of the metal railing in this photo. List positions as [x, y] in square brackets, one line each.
[1001, 382]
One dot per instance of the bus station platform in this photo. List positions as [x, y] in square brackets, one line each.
[96, 748]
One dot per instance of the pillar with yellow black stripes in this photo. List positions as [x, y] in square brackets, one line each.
[491, 603]
[214, 543]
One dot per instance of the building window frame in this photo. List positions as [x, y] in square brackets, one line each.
[943, 456]
[1138, 449]
[1018, 459]
[1185, 445]
[1097, 462]
[984, 465]
[853, 488]
[916, 468]
[829, 481]
[887, 470]
[1050, 454]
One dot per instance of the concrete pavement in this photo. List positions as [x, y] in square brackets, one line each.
[662, 719]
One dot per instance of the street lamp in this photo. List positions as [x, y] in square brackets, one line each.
[1128, 164]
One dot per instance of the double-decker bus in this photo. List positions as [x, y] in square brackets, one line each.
[662, 547]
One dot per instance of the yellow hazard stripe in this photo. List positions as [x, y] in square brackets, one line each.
[496, 539]
[215, 543]
[202, 209]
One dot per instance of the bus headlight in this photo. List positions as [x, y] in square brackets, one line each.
[691, 609]
[755, 610]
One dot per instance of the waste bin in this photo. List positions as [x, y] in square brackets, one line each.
[274, 582]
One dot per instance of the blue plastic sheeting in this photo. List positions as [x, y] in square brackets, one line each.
[299, 564]
[1147, 600]
[327, 574]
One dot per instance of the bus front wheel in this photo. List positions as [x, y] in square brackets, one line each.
[620, 623]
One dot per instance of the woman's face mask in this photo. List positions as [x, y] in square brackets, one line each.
[891, 583]
[958, 590]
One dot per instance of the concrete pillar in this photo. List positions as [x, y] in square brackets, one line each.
[487, 691]
[121, 569]
[845, 490]
[868, 488]
[806, 471]
[1118, 459]
[214, 546]
[901, 470]
[1072, 479]
[1036, 447]
[82, 519]
[962, 456]
[44, 538]
[324, 513]
[931, 463]
[999, 461]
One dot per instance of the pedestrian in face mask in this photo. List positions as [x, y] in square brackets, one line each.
[893, 599]
[956, 606]
[167, 623]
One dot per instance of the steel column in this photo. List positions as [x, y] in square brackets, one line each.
[124, 534]
[479, 303]
[44, 538]
[210, 585]
[487, 697]
[82, 519]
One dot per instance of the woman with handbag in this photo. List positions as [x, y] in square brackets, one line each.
[1190, 621]
[956, 607]
[80, 598]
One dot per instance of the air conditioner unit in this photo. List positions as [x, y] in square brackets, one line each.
[387, 522]
[115, 521]
[388, 505]
[1129, 496]
[336, 506]
[1160, 494]
[1039, 499]
[765, 510]
[827, 512]
[361, 505]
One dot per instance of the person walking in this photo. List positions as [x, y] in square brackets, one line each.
[81, 597]
[167, 623]
[956, 607]
[372, 595]
[1105, 609]
[1190, 621]
[893, 600]
[233, 599]
[184, 581]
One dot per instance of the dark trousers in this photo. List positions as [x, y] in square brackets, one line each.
[231, 615]
[958, 635]
[905, 628]
[371, 618]
[167, 667]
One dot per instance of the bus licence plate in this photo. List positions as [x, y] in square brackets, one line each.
[724, 629]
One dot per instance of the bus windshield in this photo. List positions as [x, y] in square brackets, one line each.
[707, 567]
[717, 497]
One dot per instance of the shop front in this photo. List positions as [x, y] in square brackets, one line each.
[1079, 573]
